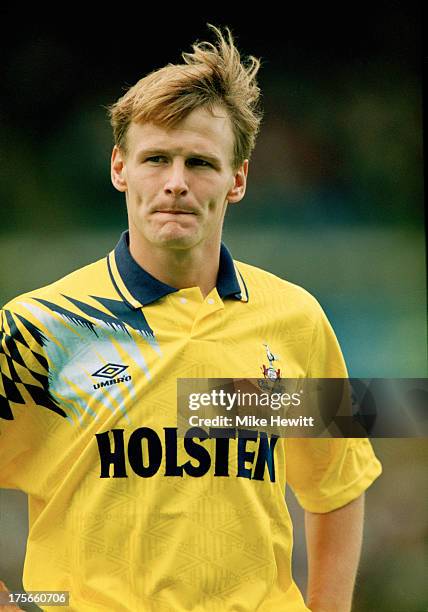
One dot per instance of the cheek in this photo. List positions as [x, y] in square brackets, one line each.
[217, 209]
[218, 196]
[142, 189]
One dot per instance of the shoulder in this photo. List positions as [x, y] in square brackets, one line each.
[38, 316]
[37, 336]
[266, 288]
[90, 278]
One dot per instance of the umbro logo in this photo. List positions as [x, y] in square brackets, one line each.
[111, 371]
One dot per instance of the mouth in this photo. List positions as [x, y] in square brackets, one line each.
[174, 211]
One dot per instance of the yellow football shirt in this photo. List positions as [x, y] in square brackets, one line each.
[120, 513]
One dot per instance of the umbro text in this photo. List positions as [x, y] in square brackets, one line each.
[113, 381]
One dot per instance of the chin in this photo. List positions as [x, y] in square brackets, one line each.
[178, 240]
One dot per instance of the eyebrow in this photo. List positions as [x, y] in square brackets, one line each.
[152, 151]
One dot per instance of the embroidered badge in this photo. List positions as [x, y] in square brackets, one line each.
[270, 372]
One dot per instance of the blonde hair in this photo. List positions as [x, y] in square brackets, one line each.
[211, 75]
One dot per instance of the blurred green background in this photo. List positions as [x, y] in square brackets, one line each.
[334, 203]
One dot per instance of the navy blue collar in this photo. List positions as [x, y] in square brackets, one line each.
[146, 289]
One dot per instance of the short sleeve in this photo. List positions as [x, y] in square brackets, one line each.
[327, 473]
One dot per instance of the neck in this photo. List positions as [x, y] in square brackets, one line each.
[179, 268]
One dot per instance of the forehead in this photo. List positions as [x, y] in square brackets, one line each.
[201, 130]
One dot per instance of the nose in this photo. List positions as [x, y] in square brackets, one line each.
[176, 184]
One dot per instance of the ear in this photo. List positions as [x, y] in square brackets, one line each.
[237, 191]
[118, 169]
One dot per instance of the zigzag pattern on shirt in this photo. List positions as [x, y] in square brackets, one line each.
[22, 369]
[122, 314]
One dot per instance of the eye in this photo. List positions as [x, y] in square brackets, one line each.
[195, 161]
[156, 159]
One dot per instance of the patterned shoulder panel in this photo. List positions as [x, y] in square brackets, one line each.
[50, 347]
[24, 370]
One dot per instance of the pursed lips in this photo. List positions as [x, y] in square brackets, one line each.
[175, 211]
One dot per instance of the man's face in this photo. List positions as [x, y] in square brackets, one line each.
[179, 180]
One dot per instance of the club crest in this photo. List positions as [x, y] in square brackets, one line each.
[270, 372]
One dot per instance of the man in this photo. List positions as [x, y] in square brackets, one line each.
[125, 514]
